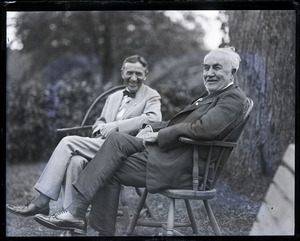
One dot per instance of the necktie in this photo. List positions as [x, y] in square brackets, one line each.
[129, 94]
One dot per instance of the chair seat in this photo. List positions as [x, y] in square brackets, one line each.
[189, 194]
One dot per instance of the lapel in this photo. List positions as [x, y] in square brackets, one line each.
[116, 102]
[208, 98]
[202, 101]
[138, 98]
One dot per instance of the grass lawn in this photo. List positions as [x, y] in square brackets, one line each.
[235, 212]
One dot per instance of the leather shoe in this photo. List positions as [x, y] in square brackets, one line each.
[63, 220]
[28, 210]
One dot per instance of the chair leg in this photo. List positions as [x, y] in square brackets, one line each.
[136, 213]
[149, 211]
[191, 216]
[170, 222]
[125, 208]
[212, 218]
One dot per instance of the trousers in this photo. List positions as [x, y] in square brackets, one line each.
[76, 164]
[122, 159]
[64, 166]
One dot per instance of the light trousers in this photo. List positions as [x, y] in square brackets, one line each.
[64, 166]
[76, 164]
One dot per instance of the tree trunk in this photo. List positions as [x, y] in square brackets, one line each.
[265, 41]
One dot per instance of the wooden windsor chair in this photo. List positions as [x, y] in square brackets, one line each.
[83, 124]
[202, 189]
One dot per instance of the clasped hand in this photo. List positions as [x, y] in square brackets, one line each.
[147, 134]
[108, 128]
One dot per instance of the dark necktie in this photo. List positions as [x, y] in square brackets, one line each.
[129, 94]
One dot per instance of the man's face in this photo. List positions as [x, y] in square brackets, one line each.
[217, 72]
[134, 75]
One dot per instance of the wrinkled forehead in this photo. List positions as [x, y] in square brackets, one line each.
[137, 67]
[217, 57]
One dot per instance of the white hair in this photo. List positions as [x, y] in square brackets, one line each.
[230, 52]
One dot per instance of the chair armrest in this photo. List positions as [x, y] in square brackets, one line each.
[74, 128]
[100, 97]
[207, 143]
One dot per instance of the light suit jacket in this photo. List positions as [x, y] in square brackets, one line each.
[144, 108]
[169, 161]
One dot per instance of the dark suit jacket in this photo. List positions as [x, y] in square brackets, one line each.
[211, 118]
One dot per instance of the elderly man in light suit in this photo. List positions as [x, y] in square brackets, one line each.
[124, 111]
[165, 163]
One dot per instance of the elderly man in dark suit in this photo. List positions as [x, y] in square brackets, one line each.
[155, 158]
[124, 111]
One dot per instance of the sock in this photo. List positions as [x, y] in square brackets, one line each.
[41, 201]
[79, 206]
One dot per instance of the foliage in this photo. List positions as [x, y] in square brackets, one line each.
[69, 58]
[108, 36]
[25, 124]
[179, 83]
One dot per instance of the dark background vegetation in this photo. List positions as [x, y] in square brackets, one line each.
[69, 58]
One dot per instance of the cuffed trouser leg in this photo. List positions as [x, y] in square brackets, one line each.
[113, 153]
[104, 210]
[52, 177]
[76, 165]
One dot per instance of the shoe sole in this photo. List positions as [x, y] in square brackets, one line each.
[55, 227]
[44, 211]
